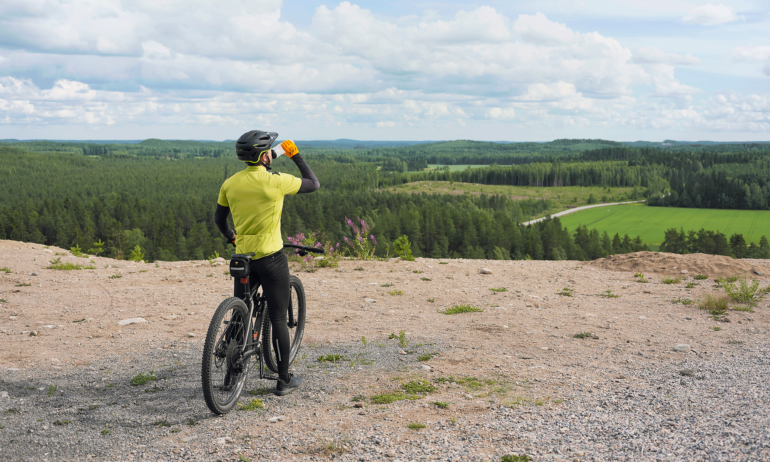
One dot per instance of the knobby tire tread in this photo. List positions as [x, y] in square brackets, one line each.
[207, 379]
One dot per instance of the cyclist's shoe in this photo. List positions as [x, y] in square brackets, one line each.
[284, 388]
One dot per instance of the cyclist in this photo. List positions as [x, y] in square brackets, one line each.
[254, 196]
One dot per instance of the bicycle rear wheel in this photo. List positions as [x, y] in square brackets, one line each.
[224, 371]
[296, 321]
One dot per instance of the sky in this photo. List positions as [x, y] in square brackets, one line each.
[385, 70]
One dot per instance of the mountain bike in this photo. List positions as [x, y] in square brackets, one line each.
[240, 331]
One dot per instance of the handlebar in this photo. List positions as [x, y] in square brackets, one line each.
[303, 250]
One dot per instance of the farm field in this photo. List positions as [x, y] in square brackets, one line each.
[651, 222]
[562, 198]
[454, 168]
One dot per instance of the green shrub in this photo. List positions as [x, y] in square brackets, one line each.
[331, 358]
[567, 292]
[700, 277]
[745, 292]
[415, 426]
[5, 269]
[441, 404]
[136, 254]
[671, 281]
[403, 248]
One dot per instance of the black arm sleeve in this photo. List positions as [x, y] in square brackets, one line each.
[309, 181]
[220, 219]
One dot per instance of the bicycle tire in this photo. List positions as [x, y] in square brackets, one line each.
[222, 377]
[297, 304]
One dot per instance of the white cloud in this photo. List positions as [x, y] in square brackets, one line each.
[654, 55]
[710, 15]
[538, 29]
[240, 63]
[760, 54]
[501, 113]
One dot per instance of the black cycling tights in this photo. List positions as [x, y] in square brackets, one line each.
[272, 272]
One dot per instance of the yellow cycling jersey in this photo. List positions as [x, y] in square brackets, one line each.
[255, 197]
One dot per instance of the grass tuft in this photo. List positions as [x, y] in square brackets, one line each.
[700, 277]
[5, 269]
[499, 289]
[142, 378]
[585, 335]
[567, 292]
[415, 426]
[455, 309]
[441, 404]
[57, 264]
[253, 405]
[418, 386]
[671, 281]
[515, 458]
[396, 292]
[331, 358]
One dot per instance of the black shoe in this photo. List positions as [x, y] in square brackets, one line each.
[284, 388]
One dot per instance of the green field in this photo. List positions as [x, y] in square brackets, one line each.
[562, 198]
[454, 168]
[651, 222]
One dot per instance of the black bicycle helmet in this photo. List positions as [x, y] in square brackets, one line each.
[251, 145]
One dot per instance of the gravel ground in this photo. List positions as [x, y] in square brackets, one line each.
[510, 379]
[700, 408]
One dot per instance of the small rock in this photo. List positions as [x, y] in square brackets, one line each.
[642, 317]
[33, 274]
[358, 405]
[370, 300]
[485, 271]
[49, 326]
[171, 316]
[275, 419]
[401, 352]
[4, 395]
[426, 368]
[33, 333]
[190, 334]
[683, 272]
[12, 318]
[687, 372]
[757, 272]
[126, 322]
[187, 439]
[682, 381]
[224, 439]
[682, 347]
[543, 348]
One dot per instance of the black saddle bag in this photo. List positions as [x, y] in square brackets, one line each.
[239, 266]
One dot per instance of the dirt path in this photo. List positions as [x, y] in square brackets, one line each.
[513, 377]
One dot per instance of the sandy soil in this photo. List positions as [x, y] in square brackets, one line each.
[525, 333]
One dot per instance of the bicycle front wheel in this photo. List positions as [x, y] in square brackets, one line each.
[224, 370]
[296, 322]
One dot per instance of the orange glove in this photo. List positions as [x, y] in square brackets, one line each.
[289, 148]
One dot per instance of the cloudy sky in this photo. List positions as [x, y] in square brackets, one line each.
[378, 70]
